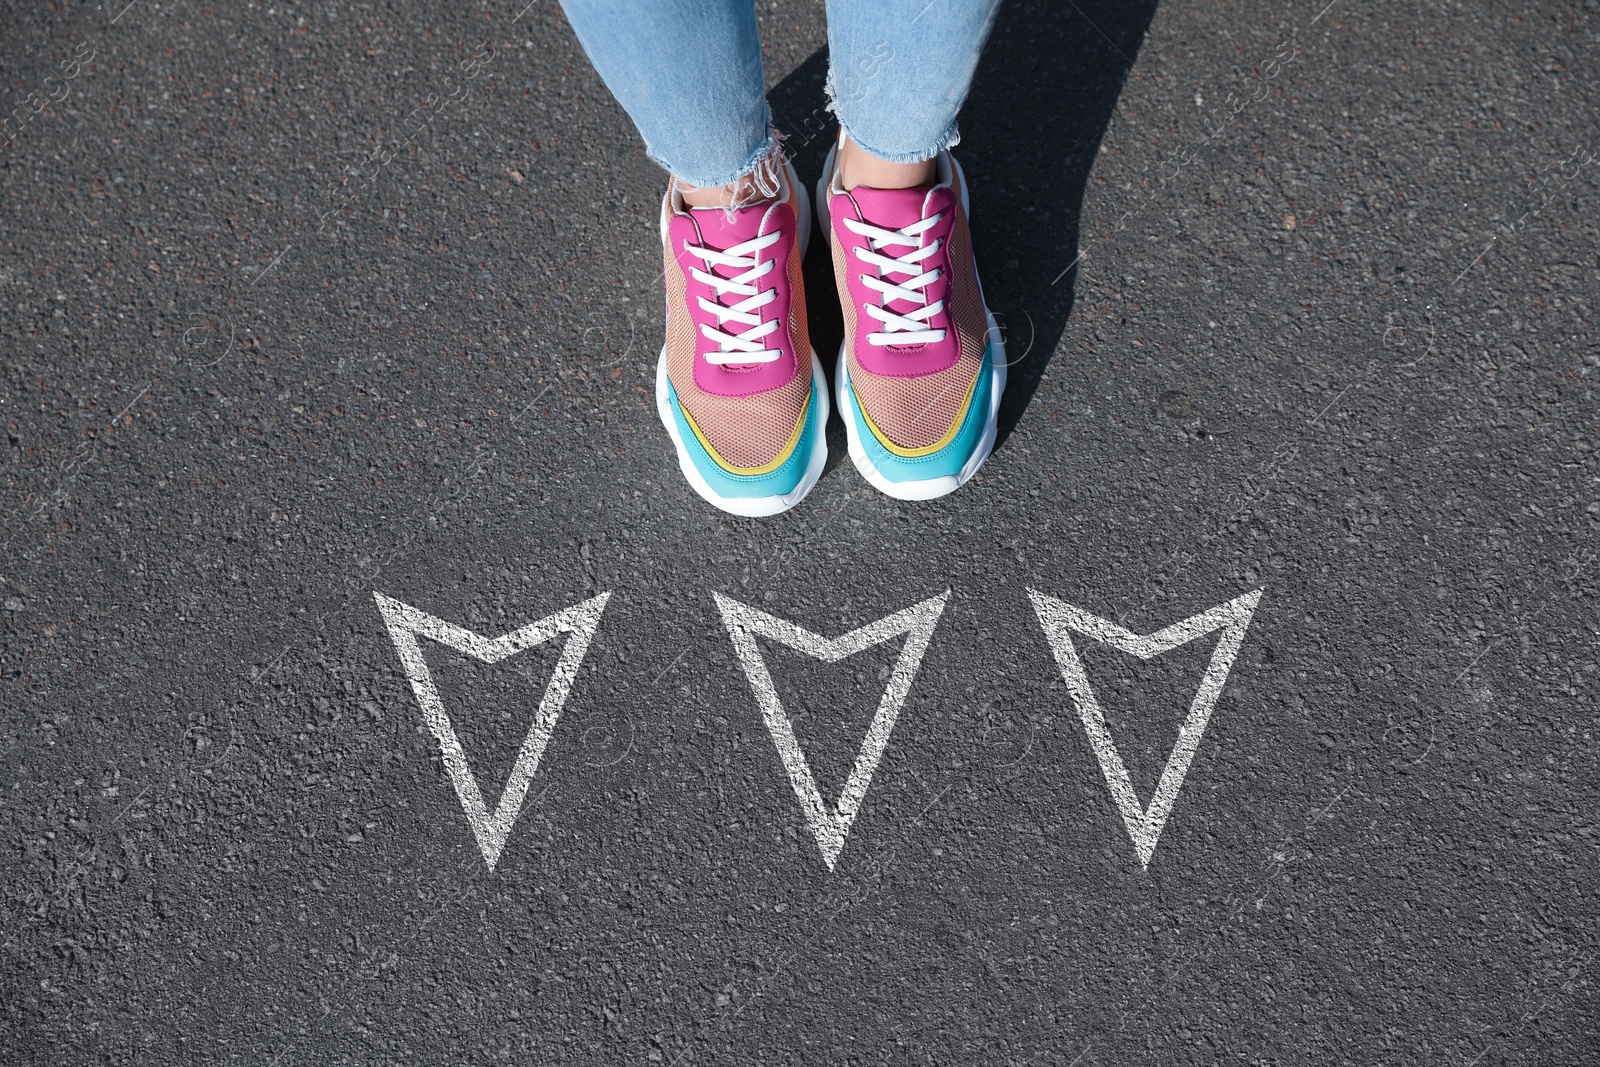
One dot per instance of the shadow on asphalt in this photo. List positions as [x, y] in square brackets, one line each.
[1031, 129]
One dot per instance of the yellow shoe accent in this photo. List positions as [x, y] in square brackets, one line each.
[766, 468]
[928, 450]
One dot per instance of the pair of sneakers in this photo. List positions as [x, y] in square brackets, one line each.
[920, 372]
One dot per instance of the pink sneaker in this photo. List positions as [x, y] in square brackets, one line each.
[737, 386]
[922, 366]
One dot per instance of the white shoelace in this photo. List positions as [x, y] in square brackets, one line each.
[911, 328]
[738, 347]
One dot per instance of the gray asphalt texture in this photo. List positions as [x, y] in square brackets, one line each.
[1332, 335]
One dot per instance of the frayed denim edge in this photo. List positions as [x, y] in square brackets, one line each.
[946, 141]
[752, 162]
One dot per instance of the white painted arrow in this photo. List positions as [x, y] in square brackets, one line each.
[405, 622]
[1059, 619]
[830, 825]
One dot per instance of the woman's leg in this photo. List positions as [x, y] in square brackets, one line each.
[899, 73]
[923, 364]
[738, 387]
[688, 73]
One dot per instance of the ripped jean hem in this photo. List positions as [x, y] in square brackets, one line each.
[750, 165]
[944, 142]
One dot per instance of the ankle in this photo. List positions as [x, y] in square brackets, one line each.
[753, 188]
[857, 166]
[714, 195]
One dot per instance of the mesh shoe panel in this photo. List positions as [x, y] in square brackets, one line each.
[744, 432]
[918, 412]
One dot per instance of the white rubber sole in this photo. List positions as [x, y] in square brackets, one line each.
[926, 488]
[755, 506]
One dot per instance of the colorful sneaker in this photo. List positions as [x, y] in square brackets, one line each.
[738, 386]
[922, 366]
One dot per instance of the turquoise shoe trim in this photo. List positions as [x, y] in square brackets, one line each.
[784, 479]
[948, 461]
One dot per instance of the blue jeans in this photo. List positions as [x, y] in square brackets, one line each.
[689, 75]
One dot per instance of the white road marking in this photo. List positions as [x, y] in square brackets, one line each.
[1059, 619]
[744, 623]
[405, 622]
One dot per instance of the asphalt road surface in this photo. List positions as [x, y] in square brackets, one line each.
[329, 334]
